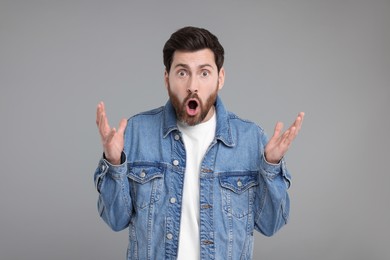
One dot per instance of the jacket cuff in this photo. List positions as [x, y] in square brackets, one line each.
[272, 170]
[115, 170]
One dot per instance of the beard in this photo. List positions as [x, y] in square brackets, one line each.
[181, 107]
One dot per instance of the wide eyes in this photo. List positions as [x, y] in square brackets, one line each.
[184, 73]
[205, 73]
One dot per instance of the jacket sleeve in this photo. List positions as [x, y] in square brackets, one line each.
[114, 202]
[272, 205]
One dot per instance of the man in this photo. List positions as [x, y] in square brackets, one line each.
[191, 180]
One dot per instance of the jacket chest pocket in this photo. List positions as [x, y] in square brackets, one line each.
[145, 184]
[237, 190]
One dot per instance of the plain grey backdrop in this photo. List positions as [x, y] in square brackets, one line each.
[331, 59]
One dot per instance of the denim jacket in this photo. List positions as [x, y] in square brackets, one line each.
[239, 190]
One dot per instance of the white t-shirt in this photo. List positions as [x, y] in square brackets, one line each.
[196, 139]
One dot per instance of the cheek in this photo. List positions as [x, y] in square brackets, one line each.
[178, 92]
[211, 88]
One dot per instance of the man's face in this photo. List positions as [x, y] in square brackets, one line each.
[193, 84]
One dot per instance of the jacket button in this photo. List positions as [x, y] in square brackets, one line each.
[169, 236]
[172, 200]
[239, 183]
[142, 174]
[175, 162]
[177, 137]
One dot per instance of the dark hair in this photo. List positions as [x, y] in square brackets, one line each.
[192, 39]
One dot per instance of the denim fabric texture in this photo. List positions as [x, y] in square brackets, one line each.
[239, 191]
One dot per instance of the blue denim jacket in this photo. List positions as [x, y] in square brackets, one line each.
[239, 190]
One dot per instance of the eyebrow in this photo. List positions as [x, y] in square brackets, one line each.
[187, 67]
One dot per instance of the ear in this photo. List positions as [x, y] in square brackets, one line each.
[221, 78]
[166, 79]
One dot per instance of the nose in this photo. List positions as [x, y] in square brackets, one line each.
[193, 85]
[189, 91]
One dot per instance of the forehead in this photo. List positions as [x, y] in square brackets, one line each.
[194, 58]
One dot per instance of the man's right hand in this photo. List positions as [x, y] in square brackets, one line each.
[112, 139]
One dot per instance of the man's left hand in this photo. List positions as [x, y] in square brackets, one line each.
[279, 143]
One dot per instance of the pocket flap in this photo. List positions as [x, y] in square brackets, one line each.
[145, 173]
[239, 182]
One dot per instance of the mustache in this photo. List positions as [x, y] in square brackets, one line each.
[192, 96]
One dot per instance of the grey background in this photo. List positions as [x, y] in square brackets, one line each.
[331, 59]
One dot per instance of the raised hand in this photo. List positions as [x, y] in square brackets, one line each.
[112, 139]
[279, 143]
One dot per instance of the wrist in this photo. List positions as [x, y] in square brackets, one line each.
[271, 160]
[111, 160]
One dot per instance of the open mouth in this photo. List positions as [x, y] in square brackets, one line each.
[192, 107]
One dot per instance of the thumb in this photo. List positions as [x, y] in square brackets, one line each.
[122, 126]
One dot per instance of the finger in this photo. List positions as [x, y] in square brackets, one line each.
[290, 135]
[299, 120]
[297, 124]
[277, 130]
[100, 110]
[98, 113]
[110, 136]
[285, 136]
[275, 139]
[122, 126]
[301, 115]
[100, 126]
[104, 127]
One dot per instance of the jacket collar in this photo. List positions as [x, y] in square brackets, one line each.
[222, 133]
